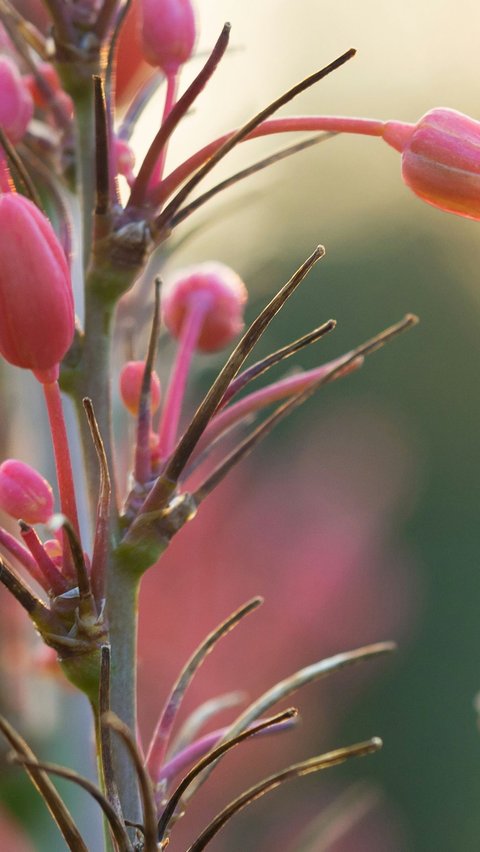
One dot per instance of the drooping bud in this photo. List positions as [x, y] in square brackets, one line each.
[36, 302]
[24, 493]
[16, 104]
[168, 33]
[225, 294]
[441, 159]
[131, 377]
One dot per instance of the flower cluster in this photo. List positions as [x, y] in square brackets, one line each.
[83, 600]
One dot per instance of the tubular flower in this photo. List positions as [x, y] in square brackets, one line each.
[441, 159]
[36, 302]
[168, 33]
[24, 493]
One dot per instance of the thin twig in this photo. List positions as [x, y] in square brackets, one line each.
[102, 158]
[144, 783]
[116, 826]
[104, 733]
[315, 764]
[285, 688]
[274, 358]
[158, 745]
[176, 796]
[183, 104]
[102, 525]
[213, 398]
[164, 219]
[185, 212]
[48, 792]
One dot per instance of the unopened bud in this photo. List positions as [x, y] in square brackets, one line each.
[36, 302]
[16, 104]
[226, 293]
[131, 377]
[24, 493]
[168, 33]
[441, 159]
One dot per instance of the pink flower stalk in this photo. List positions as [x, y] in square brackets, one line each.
[203, 307]
[36, 301]
[167, 33]
[24, 493]
[441, 159]
[131, 377]
[16, 104]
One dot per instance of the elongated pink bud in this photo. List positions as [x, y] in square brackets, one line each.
[168, 33]
[36, 301]
[16, 104]
[223, 295]
[24, 493]
[441, 159]
[131, 377]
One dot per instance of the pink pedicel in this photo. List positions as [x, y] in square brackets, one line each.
[36, 302]
[441, 159]
[24, 493]
[131, 377]
[168, 33]
[226, 293]
[16, 104]
[124, 159]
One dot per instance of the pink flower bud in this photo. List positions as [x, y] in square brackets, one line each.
[168, 33]
[16, 105]
[216, 283]
[441, 159]
[36, 302]
[24, 493]
[131, 377]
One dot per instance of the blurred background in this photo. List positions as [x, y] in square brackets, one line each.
[359, 519]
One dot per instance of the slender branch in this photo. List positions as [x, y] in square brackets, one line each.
[207, 408]
[143, 465]
[144, 783]
[159, 743]
[165, 217]
[176, 796]
[315, 764]
[102, 159]
[23, 594]
[48, 792]
[101, 537]
[187, 211]
[183, 104]
[269, 361]
[285, 688]
[115, 824]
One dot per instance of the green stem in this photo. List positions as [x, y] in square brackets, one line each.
[101, 778]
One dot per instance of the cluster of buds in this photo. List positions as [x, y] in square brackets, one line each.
[86, 606]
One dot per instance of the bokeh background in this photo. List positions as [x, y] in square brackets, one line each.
[359, 520]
